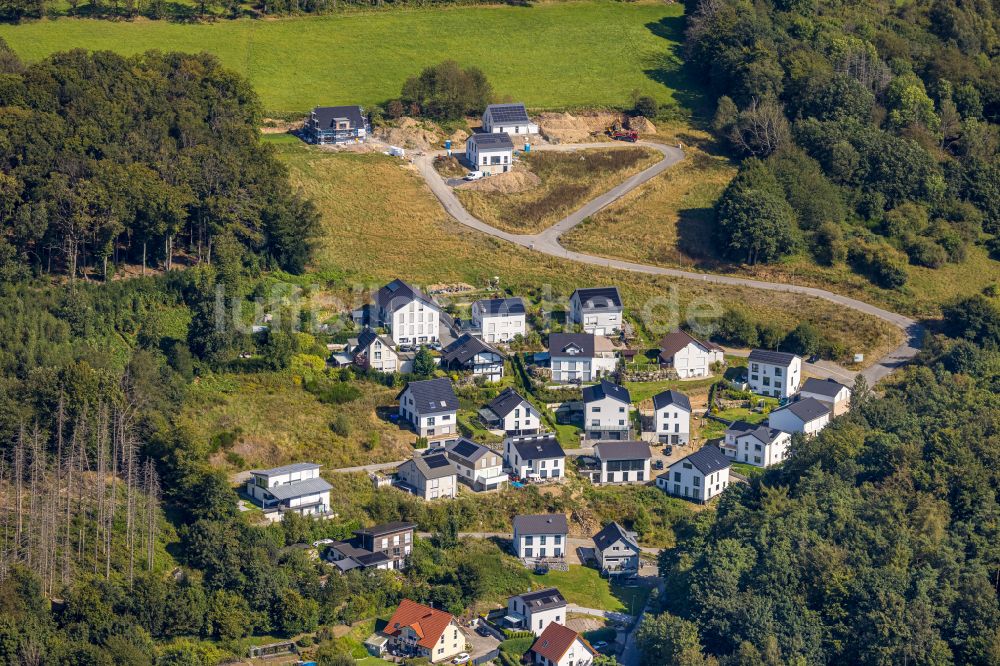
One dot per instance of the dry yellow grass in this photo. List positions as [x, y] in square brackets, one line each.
[568, 181]
[382, 222]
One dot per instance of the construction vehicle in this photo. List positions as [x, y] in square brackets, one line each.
[618, 133]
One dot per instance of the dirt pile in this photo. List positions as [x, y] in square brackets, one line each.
[409, 133]
[567, 128]
[642, 125]
[276, 126]
[511, 182]
[458, 137]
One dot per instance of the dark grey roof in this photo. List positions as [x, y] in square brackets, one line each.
[764, 434]
[541, 600]
[772, 357]
[285, 469]
[808, 409]
[506, 402]
[387, 528]
[508, 114]
[826, 387]
[366, 338]
[466, 448]
[397, 294]
[492, 141]
[599, 298]
[432, 396]
[707, 459]
[606, 390]
[740, 427]
[501, 306]
[627, 450]
[560, 342]
[535, 447]
[677, 340]
[433, 464]
[300, 488]
[671, 397]
[545, 523]
[613, 532]
[326, 115]
[465, 349]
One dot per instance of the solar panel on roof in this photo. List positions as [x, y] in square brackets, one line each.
[436, 461]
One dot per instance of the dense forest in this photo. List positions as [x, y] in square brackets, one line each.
[870, 130]
[107, 161]
[877, 543]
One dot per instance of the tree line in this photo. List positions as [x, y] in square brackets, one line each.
[869, 130]
[110, 160]
[876, 543]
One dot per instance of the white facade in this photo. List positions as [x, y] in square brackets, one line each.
[607, 418]
[673, 424]
[528, 461]
[378, 355]
[535, 619]
[838, 399]
[294, 488]
[431, 426]
[522, 418]
[478, 467]
[774, 378]
[539, 545]
[683, 479]
[785, 419]
[414, 322]
[694, 360]
[573, 368]
[753, 450]
[521, 126]
[488, 159]
[598, 311]
[623, 462]
[442, 487]
[498, 327]
[577, 653]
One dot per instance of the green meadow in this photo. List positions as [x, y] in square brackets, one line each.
[551, 55]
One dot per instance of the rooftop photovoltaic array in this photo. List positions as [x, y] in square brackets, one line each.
[509, 113]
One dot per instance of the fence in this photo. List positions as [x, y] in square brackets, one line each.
[486, 658]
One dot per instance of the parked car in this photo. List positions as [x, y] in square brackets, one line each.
[483, 630]
[600, 645]
[657, 464]
[322, 542]
[473, 175]
[668, 450]
[461, 658]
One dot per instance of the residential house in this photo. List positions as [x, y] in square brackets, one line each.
[374, 352]
[535, 456]
[431, 407]
[623, 462]
[336, 124]
[561, 646]
[807, 416]
[617, 551]
[699, 476]
[774, 374]
[295, 488]
[385, 546]
[508, 118]
[598, 310]
[410, 315]
[688, 356]
[511, 413]
[534, 611]
[574, 357]
[470, 354]
[762, 446]
[479, 467]
[735, 429]
[540, 536]
[429, 475]
[606, 408]
[672, 417]
[500, 319]
[831, 393]
[490, 153]
[421, 631]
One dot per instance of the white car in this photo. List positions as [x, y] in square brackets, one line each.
[322, 542]
[461, 658]
[473, 175]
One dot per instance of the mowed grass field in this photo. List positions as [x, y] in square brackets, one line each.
[381, 221]
[551, 55]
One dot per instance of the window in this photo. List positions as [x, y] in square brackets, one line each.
[696, 481]
[528, 540]
[677, 476]
[558, 539]
[754, 367]
[777, 372]
[542, 540]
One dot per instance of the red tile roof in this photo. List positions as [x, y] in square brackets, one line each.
[555, 641]
[428, 623]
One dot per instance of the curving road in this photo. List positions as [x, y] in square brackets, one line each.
[547, 242]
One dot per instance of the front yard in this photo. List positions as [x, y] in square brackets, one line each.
[585, 587]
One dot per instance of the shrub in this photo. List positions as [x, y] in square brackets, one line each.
[447, 92]
[341, 425]
[333, 392]
[647, 106]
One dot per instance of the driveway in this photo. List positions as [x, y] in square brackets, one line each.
[547, 242]
[480, 644]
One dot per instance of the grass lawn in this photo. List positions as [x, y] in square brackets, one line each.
[713, 429]
[380, 221]
[568, 181]
[554, 55]
[584, 586]
[640, 391]
[747, 470]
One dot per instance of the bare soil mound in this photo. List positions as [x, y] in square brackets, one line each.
[410, 133]
[511, 182]
[567, 128]
[642, 125]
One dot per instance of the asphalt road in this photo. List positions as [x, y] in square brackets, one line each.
[547, 242]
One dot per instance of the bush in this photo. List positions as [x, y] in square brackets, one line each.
[879, 265]
[447, 92]
[333, 392]
[341, 425]
[647, 106]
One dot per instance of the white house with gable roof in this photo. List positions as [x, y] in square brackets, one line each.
[295, 488]
[508, 118]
